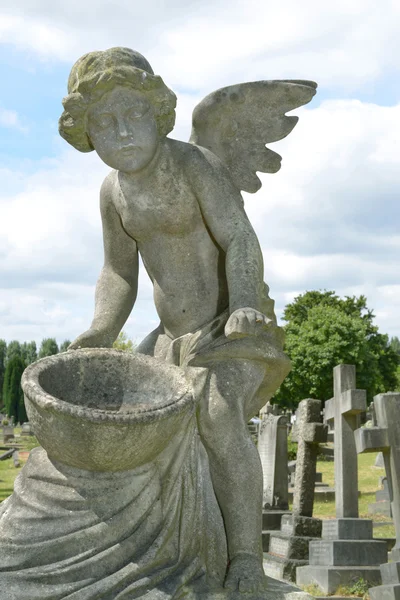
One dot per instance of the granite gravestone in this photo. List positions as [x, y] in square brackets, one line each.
[347, 550]
[273, 449]
[385, 437]
[179, 206]
[288, 548]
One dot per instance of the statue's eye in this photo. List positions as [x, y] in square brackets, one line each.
[104, 120]
[137, 111]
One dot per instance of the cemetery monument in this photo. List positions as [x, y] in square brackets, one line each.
[347, 550]
[136, 494]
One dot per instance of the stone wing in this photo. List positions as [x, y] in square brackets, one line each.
[236, 122]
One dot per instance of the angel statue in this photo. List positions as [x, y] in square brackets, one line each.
[179, 205]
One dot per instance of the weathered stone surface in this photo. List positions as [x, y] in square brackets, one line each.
[289, 546]
[347, 553]
[310, 432]
[347, 529]
[349, 403]
[301, 526]
[272, 448]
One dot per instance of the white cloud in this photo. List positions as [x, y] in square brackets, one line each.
[198, 45]
[11, 119]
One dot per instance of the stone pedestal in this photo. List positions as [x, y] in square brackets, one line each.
[289, 547]
[346, 552]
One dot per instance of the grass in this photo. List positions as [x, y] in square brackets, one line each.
[8, 472]
[368, 484]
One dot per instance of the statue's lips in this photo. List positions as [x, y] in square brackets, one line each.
[129, 148]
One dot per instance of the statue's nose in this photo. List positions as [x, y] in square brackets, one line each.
[122, 127]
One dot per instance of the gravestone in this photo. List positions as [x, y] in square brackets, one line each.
[26, 429]
[272, 448]
[8, 433]
[385, 437]
[288, 548]
[347, 550]
[382, 504]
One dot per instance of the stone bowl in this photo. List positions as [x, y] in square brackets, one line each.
[106, 410]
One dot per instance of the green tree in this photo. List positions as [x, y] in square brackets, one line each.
[395, 344]
[324, 330]
[13, 349]
[29, 352]
[48, 347]
[64, 345]
[124, 343]
[3, 354]
[12, 391]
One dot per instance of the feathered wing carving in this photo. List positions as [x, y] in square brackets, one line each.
[237, 121]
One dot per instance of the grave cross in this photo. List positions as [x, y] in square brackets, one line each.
[385, 438]
[309, 433]
[348, 404]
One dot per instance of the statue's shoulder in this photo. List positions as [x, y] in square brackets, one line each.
[110, 185]
[110, 189]
[195, 159]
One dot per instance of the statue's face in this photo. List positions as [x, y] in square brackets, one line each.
[123, 130]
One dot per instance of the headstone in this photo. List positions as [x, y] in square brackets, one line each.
[26, 429]
[347, 549]
[8, 433]
[385, 437]
[272, 447]
[288, 548]
[382, 504]
[379, 462]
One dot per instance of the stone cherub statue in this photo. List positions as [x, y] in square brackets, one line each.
[179, 205]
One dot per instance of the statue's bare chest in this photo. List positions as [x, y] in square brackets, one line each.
[168, 208]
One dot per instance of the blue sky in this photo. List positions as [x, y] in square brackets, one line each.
[328, 220]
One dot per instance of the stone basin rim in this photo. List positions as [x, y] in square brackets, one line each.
[45, 401]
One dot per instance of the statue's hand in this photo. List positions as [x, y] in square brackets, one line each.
[92, 338]
[246, 321]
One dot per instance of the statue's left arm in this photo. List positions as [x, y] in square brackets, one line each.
[222, 208]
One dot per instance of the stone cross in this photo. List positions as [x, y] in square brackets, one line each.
[272, 447]
[385, 438]
[309, 433]
[348, 404]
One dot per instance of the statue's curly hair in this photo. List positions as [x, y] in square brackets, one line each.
[95, 74]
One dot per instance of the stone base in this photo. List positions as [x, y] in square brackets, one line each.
[350, 553]
[297, 525]
[385, 592]
[289, 547]
[279, 567]
[330, 578]
[285, 546]
[347, 529]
